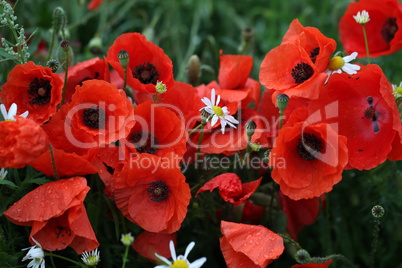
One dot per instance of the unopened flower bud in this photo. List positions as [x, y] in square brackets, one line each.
[302, 256]
[65, 45]
[123, 58]
[53, 64]
[160, 87]
[95, 45]
[205, 115]
[378, 211]
[194, 70]
[59, 19]
[250, 128]
[127, 239]
[282, 101]
[255, 147]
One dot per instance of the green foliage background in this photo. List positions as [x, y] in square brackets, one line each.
[203, 27]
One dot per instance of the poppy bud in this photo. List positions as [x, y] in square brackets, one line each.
[194, 70]
[65, 45]
[282, 101]
[59, 19]
[250, 128]
[247, 34]
[378, 211]
[95, 45]
[123, 58]
[302, 256]
[53, 64]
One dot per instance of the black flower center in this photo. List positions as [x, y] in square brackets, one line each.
[371, 113]
[94, 117]
[144, 142]
[302, 72]
[309, 147]
[96, 76]
[389, 28]
[314, 53]
[158, 191]
[40, 90]
[146, 73]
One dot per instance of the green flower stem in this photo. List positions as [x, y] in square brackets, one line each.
[290, 240]
[64, 258]
[52, 158]
[194, 129]
[332, 257]
[63, 98]
[20, 52]
[200, 138]
[366, 43]
[125, 259]
[281, 113]
[127, 90]
[374, 242]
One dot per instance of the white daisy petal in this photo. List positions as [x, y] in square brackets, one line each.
[348, 70]
[350, 57]
[198, 263]
[25, 114]
[213, 97]
[172, 250]
[223, 126]
[214, 120]
[189, 248]
[353, 66]
[163, 259]
[12, 111]
[231, 119]
[218, 100]
[179, 260]
[3, 111]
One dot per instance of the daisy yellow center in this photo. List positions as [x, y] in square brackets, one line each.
[398, 90]
[217, 110]
[336, 63]
[92, 260]
[180, 263]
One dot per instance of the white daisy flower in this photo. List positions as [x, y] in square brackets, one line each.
[127, 239]
[341, 64]
[9, 116]
[362, 17]
[3, 173]
[218, 113]
[180, 261]
[91, 258]
[397, 90]
[35, 254]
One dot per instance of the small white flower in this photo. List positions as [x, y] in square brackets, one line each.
[397, 90]
[362, 17]
[218, 113]
[160, 87]
[180, 261]
[91, 258]
[127, 239]
[338, 65]
[3, 173]
[9, 116]
[35, 254]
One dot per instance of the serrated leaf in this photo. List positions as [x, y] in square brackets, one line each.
[39, 181]
[9, 184]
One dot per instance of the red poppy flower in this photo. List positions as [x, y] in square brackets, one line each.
[313, 265]
[67, 164]
[87, 70]
[251, 246]
[384, 33]
[152, 192]
[365, 110]
[33, 88]
[231, 189]
[252, 213]
[396, 151]
[147, 244]
[299, 213]
[148, 64]
[94, 4]
[308, 159]
[157, 131]
[22, 141]
[296, 67]
[57, 215]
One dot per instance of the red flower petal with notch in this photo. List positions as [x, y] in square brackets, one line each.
[147, 65]
[147, 244]
[252, 246]
[33, 88]
[57, 215]
[231, 189]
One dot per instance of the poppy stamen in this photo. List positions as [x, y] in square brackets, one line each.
[158, 191]
[94, 117]
[302, 72]
[309, 147]
[146, 73]
[88, 78]
[389, 29]
[314, 53]
[40, 90]
[371, 113]
[144, 142]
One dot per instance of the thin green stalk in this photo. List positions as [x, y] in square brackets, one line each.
[194, 129]
[290, 240]
[52, 158]
[64, 258]
[200, 139]
[366, 43]
[20, 52]
[63, 99]
[125, 257]
[281, 113]
[374, 242]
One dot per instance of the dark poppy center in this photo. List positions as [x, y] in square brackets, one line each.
[158, 191]
[371, 113]
[389, 29]
[94, 117]
[63, 231]
[40, 90]
[314, 53]
[96, 76]
[144, 142]
[146, 73]
[309, 147]
[302, 72]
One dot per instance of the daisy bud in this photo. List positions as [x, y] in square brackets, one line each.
[282, 101]
[255, 147]
[250, 128]
[378, 211]
[127, 239]
[95, 45]
[302, 256]
[362, 17]
[397, 90]
[65, 45]
[160, 87]
[123, 58]
[53, 64]
[194, 70]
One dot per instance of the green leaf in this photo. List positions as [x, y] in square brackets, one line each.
[9, 184]
[5, 55]
[39, 181]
